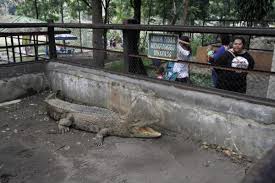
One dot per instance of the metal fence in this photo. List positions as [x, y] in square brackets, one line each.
[130, 57]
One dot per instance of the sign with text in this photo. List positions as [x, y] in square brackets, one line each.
[162, 46]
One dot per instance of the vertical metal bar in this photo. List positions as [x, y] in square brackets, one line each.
[202, 38]
[126, 50]
[52, 49]
[35, 47]
[7, 49]
[19, 44]
[47, 47]
[13, 51]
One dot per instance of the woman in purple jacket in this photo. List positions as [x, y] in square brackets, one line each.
[225, 41]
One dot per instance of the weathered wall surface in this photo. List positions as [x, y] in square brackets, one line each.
[18, 69]
[17, 87]
[21, 80]
[246, 127]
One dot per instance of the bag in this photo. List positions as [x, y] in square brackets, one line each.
[169, 74]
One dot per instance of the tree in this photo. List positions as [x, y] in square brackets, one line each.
[185, 12]
[46, 9]
[98, 56]
[253, 10]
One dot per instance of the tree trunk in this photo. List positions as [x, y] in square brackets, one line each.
[185, 12]
[106, 20]
[80, 31]
[62, 19]
[98, 56]
[36, 9]
[136, 65]
[175, 16]
[137, 10]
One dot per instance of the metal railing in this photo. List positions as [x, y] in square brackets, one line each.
[200, 70]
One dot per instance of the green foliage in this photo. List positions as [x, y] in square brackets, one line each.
[195, 43]
[253, 10]
[199, 79]
[74, 6]
[222, 9]
[47, 9]
[120, 10]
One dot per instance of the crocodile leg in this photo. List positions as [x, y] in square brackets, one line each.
[65, 123]
[100, 136]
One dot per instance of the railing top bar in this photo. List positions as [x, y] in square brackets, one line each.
[31, 33]
[163, 28]
[22, 25]
[240, 20]
[174, 28]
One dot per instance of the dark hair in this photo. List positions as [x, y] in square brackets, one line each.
[240, 38]
[225, 39]
[186, 39]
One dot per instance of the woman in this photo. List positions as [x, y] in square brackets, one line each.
[184, 54]
[175, 71]
[236, 57]
[225, 41]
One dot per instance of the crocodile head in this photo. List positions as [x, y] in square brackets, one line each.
[138, 128]
[144, 132]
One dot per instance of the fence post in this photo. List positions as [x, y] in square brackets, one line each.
[52, 48]
[271, 84]
[130, 47]
[13, 50]
[129, 44]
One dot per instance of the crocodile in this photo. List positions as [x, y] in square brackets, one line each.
[102, 121]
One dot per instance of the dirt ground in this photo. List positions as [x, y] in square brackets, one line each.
[30, 154]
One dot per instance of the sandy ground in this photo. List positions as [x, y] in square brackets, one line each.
[29, 154]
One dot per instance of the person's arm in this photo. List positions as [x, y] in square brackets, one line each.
[222, 60]
[218, 53]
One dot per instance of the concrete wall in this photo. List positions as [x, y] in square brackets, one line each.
[20, 80]
[18, 69]
[246, 127]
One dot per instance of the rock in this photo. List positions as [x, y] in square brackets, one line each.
[15, 131]
[67, 148]
[78, 143]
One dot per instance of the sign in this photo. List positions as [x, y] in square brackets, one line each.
[162, 46]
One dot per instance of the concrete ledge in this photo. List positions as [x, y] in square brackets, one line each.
[243, 126]
[18, 69]
[16, 87]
